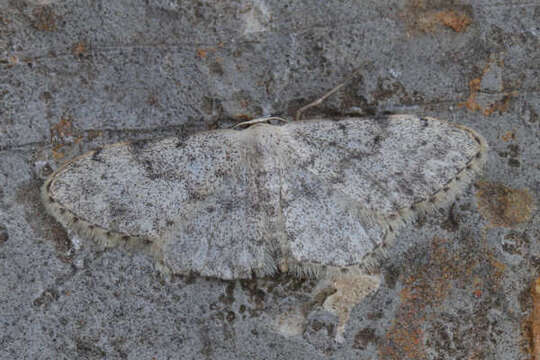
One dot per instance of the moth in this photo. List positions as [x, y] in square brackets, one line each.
[306, 197]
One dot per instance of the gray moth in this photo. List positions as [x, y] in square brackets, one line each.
[308, 197]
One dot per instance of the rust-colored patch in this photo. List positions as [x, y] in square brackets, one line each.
[152, 100]
[498, 267]
[503, 206]
[535, 320]
[508, 136]
[62, 134]
[79, 49]
[10, 61]
[62, 129]
[457, 21]
[13, 60]
[56, 151]
[244, 103]
[425, 290]
[471, 104]
[485, 103]
[404, 340]
[499, 106]
[44, 18]
[430, 16]
[202, 53]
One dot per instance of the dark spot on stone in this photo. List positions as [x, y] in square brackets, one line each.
[216, 68]
[75, 219]
[390, 228]
[425, 122]
[190, 278]
[446, 188]
[108, 233]
[46, 96]
[451, 224]
[458, 178]
[4, 236]
[62, 210]
[242, 309]
[138, 146]
[125, 237]
[469, 166]
[363, 338]
[212, 106]
[86, 349]
[513, 150]
[228, 298]
[96, 156]
[51, 199]
[391, 276]
[46, 298]
[316, 325]
[478, 155]
[477, 139]
[45, 171]
[230, 316]
[91, 227]
[375, 315]
[514, 163]
[44, 18]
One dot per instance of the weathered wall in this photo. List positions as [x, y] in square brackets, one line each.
[76, 74]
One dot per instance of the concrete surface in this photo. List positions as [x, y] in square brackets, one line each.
[77, 74]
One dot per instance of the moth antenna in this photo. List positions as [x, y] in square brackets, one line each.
[325, 96]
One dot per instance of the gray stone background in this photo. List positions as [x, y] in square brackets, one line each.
[77, 74]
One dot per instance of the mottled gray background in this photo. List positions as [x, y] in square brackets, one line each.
[76, 74]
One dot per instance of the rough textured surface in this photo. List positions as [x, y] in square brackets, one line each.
[76, 76]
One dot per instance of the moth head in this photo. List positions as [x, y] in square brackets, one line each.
[271, 120]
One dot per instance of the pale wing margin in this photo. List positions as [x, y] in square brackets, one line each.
[62, 191]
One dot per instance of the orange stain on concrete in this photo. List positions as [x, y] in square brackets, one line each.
[504, 206]
[535, 320]
[62, 129]
[508, 136]
[425, 291]
[454, 20]
[487, 105]
[429, 16]
[79, 49]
